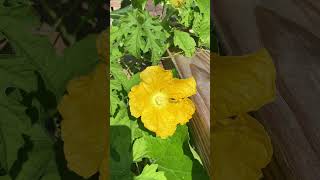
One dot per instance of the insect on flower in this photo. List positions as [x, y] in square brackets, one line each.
[162, 101]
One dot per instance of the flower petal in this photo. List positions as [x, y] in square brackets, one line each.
[84, 124]
[240, 148]
[181, 88]
[156, 77]
[160, 121]
[162, 101]
[242, 84]
[103, 171]
[139, 98]
[182, 110]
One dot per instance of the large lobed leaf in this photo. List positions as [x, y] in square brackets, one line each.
[139, 34]
[170, 155]
[20, 91]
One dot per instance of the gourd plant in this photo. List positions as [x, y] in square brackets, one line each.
[139, 40]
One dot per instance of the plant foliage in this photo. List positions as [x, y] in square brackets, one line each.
[135, 152]
[33, 79]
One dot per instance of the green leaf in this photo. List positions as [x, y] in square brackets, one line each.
[121, 158]
[184, 41]
[204, 6]
[195, 154]
[14, 72]
[134, 80]
[39, 53]
[135, 43]
[5, 177]
[169, 155]
[150, 173]
[36, 49]
[116, 34]
[140, 34]
[81, 58]
[156, 2]
[115, 101]
[13, 124]
[186, 13]
[118, 73]
[19, 90]
[41, 159]
[139, 4]
[201, 26]
[21, 9]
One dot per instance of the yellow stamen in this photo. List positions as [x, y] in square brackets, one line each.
[159, 99]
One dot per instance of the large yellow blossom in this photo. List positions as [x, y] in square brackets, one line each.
[84, 127]
[240, 145]
[84, 124]
[162, 101]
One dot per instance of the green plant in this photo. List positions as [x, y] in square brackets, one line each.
[33, 79]
[138, 40]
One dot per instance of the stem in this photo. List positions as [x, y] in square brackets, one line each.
[121, 11]
[170, 13]
[82, 23]
[69, 38]
[56, 39]
[138, 168]
[3, 44]
[171, 55]
[163, 8]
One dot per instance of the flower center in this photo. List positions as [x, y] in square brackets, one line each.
[159, 99]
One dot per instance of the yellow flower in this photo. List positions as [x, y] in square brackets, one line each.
[240, 146]
[162, 101]
[177, 3]
[84, 124]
